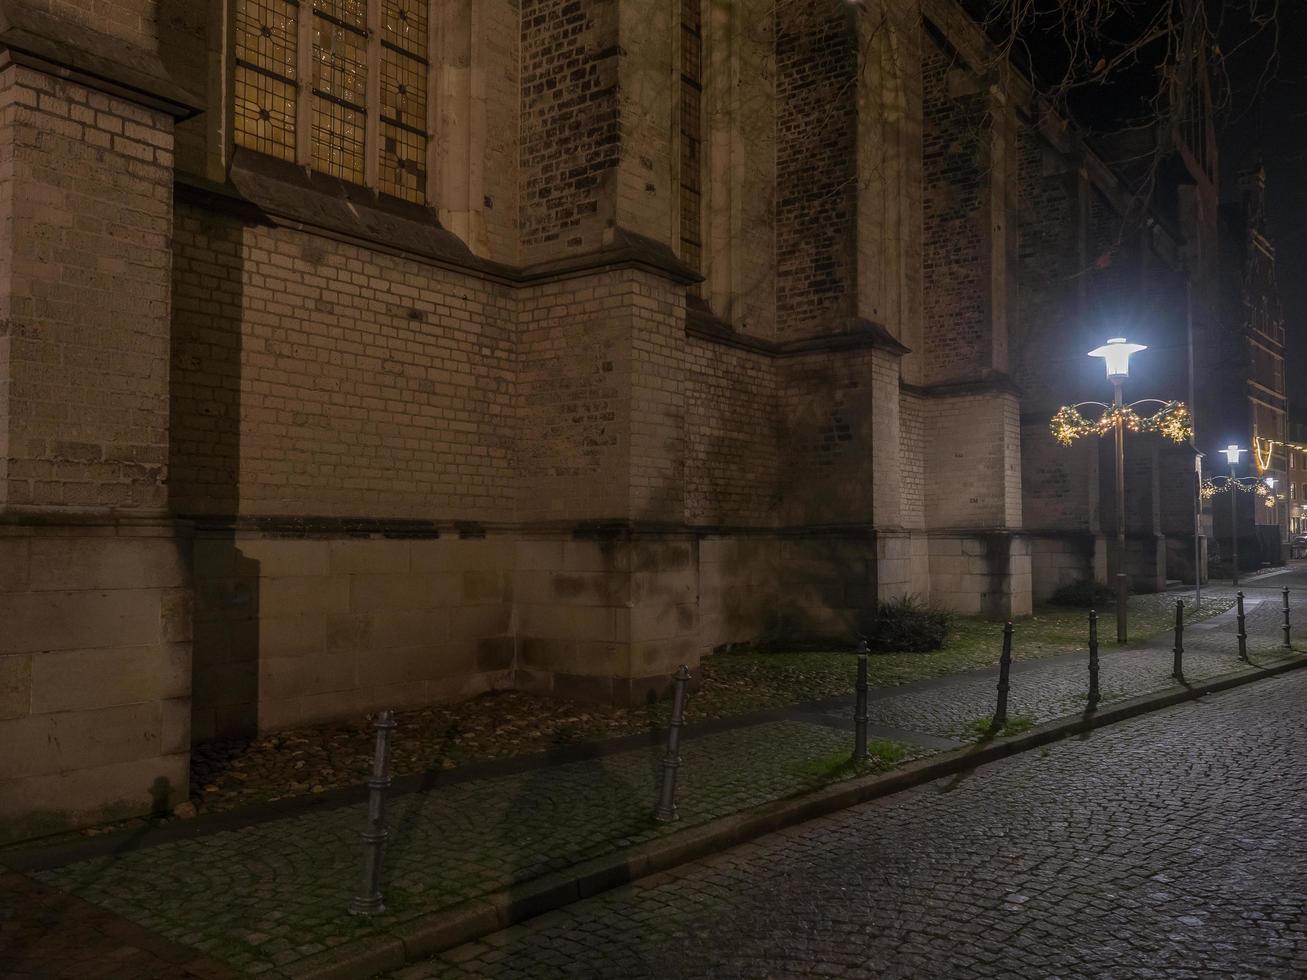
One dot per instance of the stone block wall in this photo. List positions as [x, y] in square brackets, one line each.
[95, 673]
[293, 629]
[1059, 559]
[981, 574]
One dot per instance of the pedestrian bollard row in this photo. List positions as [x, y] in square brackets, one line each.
[1243, 633]
[860, 705]
[665, 809]
[1177, 670]
[1004, 668]
[1093, 659]
[1287, 644]
[369, 901]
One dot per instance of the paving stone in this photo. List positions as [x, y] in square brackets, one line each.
[1101, 858]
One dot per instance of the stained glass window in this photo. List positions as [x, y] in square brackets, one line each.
[340, 88]
[265, 84]
[361, 111]
[404, 71]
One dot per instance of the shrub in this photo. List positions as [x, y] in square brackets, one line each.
[1085, 594]
[904, 625]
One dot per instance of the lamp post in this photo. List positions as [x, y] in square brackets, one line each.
[1116, 356]
[1232, 453]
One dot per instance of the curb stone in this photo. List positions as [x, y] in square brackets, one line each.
[435, 932]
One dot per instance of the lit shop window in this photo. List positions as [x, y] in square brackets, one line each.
[339, 86]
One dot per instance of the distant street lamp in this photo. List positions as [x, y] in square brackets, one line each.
[1171, 420]
[1229, 484]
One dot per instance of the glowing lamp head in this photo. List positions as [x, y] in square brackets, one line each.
[1232, 454]
[1116, 355]
[1270, 482]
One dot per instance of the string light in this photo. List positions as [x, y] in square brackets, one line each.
[1172, 420]
[1245, 484]
[1263, 463]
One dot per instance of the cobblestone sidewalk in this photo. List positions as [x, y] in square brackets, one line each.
[263, 896]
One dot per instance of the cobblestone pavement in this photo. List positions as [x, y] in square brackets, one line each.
[1044, 690]
[267, 894]
[37, 924]
[1169, 846]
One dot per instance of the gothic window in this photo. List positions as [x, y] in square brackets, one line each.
[691, 131]
[339, 86]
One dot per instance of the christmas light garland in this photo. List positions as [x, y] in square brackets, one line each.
[1172, 420]
[1246, 484]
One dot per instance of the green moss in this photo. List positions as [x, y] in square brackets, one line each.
[982, 728]
[882, 755]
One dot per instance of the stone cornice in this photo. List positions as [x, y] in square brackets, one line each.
[51, 44]
[996, 383]
[860, 334]
[272, 192]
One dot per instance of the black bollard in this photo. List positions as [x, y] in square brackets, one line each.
[1004, 666]
[1243, 634]
[1093, 660]
[860, 709]
[1287, 644]
[666, 808]
[370, 901]
[1178, 670]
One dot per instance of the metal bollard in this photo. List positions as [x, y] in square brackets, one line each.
[1243, 634]
[1004, 666]
[1178, 670]
[860, 710]
[1287, 644]
[1093, 660]
[369, 901]
[666, 808]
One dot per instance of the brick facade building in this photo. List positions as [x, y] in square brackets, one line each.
[365, 353]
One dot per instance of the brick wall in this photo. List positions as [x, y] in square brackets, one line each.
[816, 185]
[913, 445]
[133, 21]
[570, 137]
[955, 166]
[318, 378]
[731, 467]
[973, 468]
[86, 195]
[574, 397]
[827, 452]
[1046, 348]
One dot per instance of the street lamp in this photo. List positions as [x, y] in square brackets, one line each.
[1116, 357]
[1232, 454]
[1171, 420]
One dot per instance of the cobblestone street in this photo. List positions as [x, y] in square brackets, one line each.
[1169, 846]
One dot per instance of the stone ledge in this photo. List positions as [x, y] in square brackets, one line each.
[48, 43]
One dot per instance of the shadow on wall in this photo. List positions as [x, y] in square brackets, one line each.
[205, 378]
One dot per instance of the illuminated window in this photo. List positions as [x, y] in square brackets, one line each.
[339, 86]
[691, 134]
